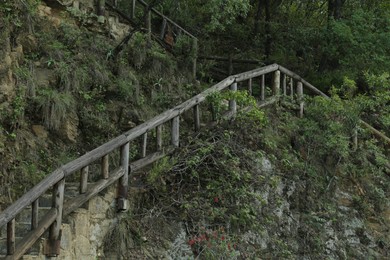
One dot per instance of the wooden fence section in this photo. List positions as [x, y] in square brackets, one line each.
[52, 220]
[167, 26]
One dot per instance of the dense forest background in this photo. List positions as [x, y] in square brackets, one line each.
[331, 38]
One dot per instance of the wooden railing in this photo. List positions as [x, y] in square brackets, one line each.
[51, 221]
[164, 33]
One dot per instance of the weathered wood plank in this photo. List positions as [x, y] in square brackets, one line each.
[216, 58]
[11, 237]
[175, 131]
[55, 228]
[159, 137]
[133, 9]
[148, 22]
[256, 72]
[300, 98]
[139, 164]
[304, 82]
[27, 199]
[163, 29]
[76, 202]
[291, 88]
[105, 166]
[164, 17]
[31, 237]
[233, 102]
[84, 179]
[284, 83]
[196, 118]
[95, 154]
[250, 90]
[34, 214]
[376, 132]
[276, 84]
[262, 87]
[124, 180]
[144, 144]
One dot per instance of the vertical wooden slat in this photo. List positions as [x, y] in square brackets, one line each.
[144, 144]
[163, 27]
[84, 179]
[133, 9]
[124, 180]
[148, 22]
[300, 98]
[195, 56]
[105, 167]
[276, 84]
[284, 83]
[175, 131]
[159, 141]
[262, 87]
[232, 102]
[11, 237]
[53, 243]
[196, 118]
[34, 214]
[292, 88]
[250, 91]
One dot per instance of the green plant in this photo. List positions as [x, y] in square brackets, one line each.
[54, 106]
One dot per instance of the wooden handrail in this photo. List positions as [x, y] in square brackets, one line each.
[166, 18]
[57, 177]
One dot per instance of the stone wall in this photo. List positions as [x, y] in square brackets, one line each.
[83, 231]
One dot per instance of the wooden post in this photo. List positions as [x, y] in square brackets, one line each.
[53, 243]
[276, 84]
[250, 86]
[133, 9]
[196, 118]
[163, 27]
[34, 214]
[148, 22]
[11, 237]
[144, 144]
[300, 98]
[292, 88]
[232, 102]
[175, 131]
[104, 167]
[213, 113]
[124, 180]
[230, 68]
[159, 137]
[355, 139]
[262, 87]
[195, 57]
[101, 7]
[284, 80]
[84, 179]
